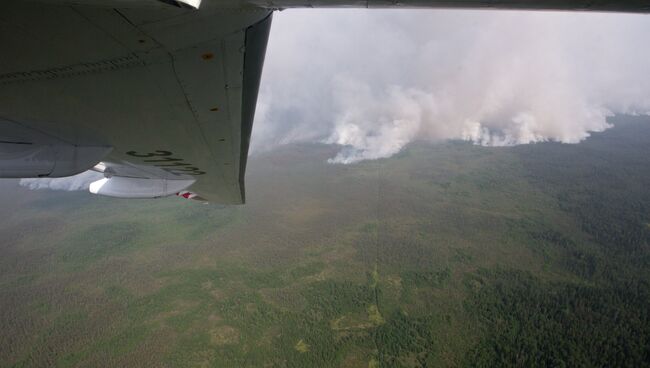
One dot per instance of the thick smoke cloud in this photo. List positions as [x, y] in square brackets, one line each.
[373, 81]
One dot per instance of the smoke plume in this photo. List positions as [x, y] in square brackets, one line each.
[374, 80]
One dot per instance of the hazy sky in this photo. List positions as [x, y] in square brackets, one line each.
[375, 80]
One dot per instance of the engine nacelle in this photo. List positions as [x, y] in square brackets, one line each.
[123, 187]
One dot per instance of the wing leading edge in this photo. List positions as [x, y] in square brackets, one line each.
[634, 6]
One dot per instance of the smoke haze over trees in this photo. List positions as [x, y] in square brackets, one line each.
[373, 80]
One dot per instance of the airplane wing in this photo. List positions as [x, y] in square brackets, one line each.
[158, 95]
[163, 97]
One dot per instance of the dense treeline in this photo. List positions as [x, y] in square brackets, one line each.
[445, 255]
[403, 340]
[603, 182]
[328, 299]
[605, 320]
[529, 323]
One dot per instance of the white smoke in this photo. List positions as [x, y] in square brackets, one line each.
[373, 81]
[77, 182]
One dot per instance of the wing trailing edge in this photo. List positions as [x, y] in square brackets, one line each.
[257, 37]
